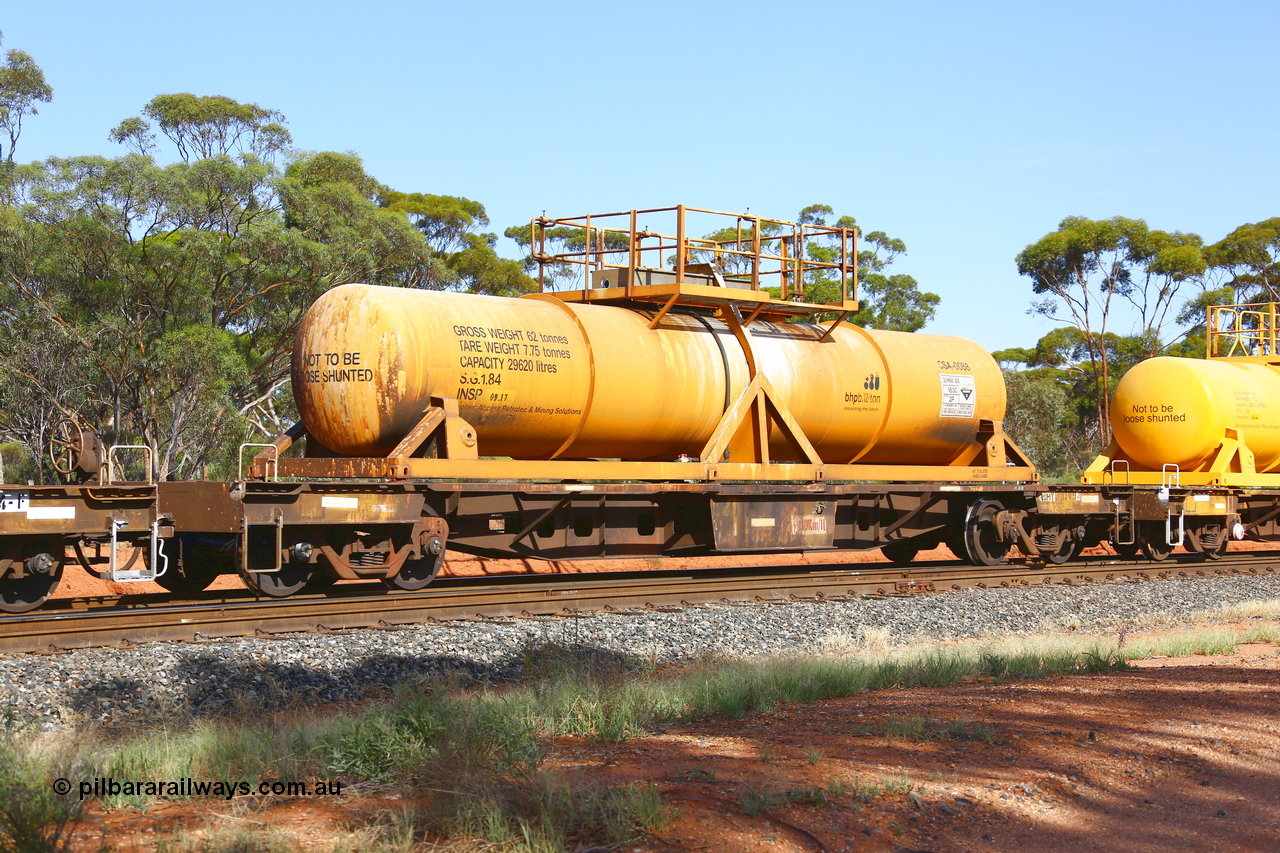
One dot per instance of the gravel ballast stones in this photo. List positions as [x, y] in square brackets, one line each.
[168, 680]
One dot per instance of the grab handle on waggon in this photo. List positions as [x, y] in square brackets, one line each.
[148, 464]
[267, 461]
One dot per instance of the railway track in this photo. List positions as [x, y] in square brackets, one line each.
[131, 620]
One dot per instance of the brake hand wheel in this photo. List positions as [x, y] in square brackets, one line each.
[66, 445]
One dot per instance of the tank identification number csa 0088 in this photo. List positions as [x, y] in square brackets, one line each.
[334, 367]
[959, 395]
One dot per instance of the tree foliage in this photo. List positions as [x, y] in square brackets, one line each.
[1086, 268]
[1038, 416]
[1061, 359]
[22, 86]
[894, 302]
[466, 258]
[157, 302]
[1128, 292]
[204, 126]
[1250, 259]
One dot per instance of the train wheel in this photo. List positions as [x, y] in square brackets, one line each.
[981, 538]
[296, 570]
[43, 559]
[415, 574]
[1128, 551]
[901, 551]
[290, 580]
[135, 552]
[184, 581]
[199, 561]
[322, 580]
[1151, 536]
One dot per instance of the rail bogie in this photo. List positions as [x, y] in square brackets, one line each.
[282, 538]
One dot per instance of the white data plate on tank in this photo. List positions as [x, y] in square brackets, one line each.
[959, 395]
[14, 501]
[337, 502]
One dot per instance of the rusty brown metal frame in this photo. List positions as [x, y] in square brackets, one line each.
[100, 513]
[556, 470]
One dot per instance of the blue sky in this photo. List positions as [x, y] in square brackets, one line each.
[967, 130]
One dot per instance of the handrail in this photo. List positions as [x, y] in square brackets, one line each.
[1248, 329]
[149, 463]
[750, 250]
[273, 462]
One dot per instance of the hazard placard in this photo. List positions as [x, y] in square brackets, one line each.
[959, 395]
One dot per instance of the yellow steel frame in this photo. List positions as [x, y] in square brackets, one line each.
[992, 457]
[1232, 465]
[1245, 331]
[770, 250]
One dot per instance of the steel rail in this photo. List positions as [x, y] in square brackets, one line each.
[131, 620]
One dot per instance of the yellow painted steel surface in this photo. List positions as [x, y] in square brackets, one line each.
[1177, 411]
[540, 378]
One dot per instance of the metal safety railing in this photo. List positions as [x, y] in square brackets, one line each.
[115, 470]
[271, 464]
[1241, 330]
[740, 250]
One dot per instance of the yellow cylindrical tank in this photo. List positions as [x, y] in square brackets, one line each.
[541, 378]
[1177, 410]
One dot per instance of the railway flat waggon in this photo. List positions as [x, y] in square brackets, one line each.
[680, 396]
[686, 396]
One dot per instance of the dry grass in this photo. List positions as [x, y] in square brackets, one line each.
[491, 744]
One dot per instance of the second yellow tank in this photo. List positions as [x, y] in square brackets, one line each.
[1177, 410]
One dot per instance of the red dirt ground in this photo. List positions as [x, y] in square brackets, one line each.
[1179, 754]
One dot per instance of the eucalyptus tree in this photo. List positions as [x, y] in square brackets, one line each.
[1250, 259]
[1087, 268]
[22, 86]
[894, 302]
[172, 291]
